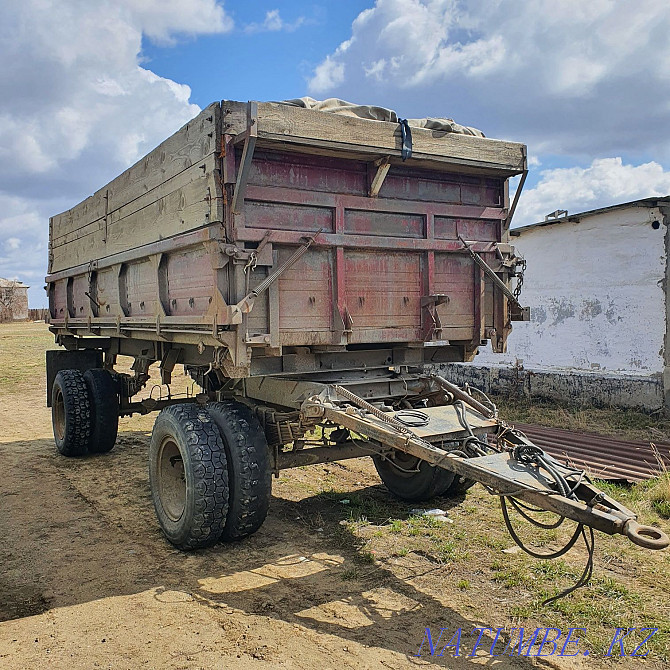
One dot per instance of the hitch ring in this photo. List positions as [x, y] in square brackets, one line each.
[645, 536]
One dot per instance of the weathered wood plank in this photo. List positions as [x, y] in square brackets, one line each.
[195, 141]
[296, 125]
[200, 180]
[177, 212]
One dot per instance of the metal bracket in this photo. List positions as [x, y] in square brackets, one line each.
[245, 305]
[382, 165]
[249, 138]
[490, 273]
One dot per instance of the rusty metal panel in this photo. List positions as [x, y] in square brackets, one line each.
[139, 288]
[272, 215]
[306, 292]
[107, 291]
[79, 301]
[258, 321]
[309, 173]
[58, 300]
[449, 228]
[453, 278]
[408, 184]
[386, 224]
[383, 291]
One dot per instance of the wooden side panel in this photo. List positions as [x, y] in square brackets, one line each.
[383, 291]
[190, 144]
[454, 278]
[484, 230]
[170, 210]
[173, 189]
[283, 123]
[305, 292]
[190, 282]
[387, 224]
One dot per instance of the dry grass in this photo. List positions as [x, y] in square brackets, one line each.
[22, 357]
[465, 563]
[625, 424]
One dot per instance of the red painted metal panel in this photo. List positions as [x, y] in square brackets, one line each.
[485, 230]
[309, 173]
[272, 215]
[305, 292]
[386, 224]
[453, 278]
[384, 291]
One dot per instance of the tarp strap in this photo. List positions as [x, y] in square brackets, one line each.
[406, 135]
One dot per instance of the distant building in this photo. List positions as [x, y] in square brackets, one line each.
[597, 286]
[13, 300]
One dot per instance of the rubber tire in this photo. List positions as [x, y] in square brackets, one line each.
[73, 439]
[103, 393]
[203, 517]
[459, 486]
[420, 486]
[249, 472]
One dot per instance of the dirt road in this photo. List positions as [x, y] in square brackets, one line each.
[88, 581]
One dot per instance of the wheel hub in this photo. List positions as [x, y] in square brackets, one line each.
[171, 480]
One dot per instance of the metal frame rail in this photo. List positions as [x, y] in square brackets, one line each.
[501, 472]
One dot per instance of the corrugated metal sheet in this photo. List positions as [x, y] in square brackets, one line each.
[604, 457]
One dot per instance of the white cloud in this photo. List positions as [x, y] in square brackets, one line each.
[328, 74]
[160, 19]
[566, 77]
[77, 107]
[274, 23]
[607, 181]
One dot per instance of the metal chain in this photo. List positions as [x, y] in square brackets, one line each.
[251, 264]
[519, 277]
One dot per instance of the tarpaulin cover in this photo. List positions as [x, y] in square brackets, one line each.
[375, 113]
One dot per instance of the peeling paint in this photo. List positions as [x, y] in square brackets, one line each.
[596, 293]
[561, 310]
[538, 315]
[590, 309]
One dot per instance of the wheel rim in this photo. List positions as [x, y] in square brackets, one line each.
[171, 479]
[59, 415]
[401, 462]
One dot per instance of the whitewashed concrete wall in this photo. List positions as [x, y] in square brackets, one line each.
[596, 294]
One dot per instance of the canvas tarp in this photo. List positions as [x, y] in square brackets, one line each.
[375, 113]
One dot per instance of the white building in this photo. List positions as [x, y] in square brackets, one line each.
[13, 300]
[596, 285]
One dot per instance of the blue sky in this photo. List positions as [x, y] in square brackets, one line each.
[87, 87]
[263, 65]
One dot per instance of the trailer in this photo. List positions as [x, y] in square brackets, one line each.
[310, 271]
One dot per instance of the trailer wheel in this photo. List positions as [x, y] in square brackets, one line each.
[103, 392]
[188, 474]
[459, 486]
[71, 413]
[248, 468]
[409, 478]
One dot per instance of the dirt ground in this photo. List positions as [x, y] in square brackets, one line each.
[340, 576]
